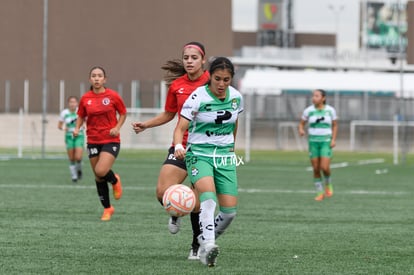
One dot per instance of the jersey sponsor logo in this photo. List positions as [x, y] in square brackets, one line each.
[234, 104]
[106, 101]
[221, 116]
[218, 133]
[186, 106]
[319, 119]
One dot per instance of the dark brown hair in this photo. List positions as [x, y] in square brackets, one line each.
[323, 93]
[221, 63]
[175, 68]
[90, 72]
[71, 97]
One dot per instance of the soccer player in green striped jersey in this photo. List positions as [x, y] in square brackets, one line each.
[210, 114]
[182, 78]
[74, 145]
[322, 131]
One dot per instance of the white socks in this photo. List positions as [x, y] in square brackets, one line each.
[207, 209]
[73, 171]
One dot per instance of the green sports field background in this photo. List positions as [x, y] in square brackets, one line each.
[48, 225]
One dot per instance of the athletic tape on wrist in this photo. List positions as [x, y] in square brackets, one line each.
[179, 147]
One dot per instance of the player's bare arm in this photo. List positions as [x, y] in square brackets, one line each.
[179, 131]
[158, 120]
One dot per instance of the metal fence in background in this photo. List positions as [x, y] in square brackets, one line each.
[27, 95]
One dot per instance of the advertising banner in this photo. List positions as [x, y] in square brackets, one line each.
[270, 15]
[386, 23]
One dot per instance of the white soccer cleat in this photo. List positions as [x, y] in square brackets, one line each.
[194, 253]
[174, 224]
[208, 253]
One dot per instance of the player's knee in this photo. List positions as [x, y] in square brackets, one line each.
[100, 172]
[316, 173]
[160, 190]
[159, 195]
[326, 171]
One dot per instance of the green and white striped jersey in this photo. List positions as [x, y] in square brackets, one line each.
[69, 119]
[212, 121]
[320, 122]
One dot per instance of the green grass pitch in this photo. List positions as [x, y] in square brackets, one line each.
[48, 225]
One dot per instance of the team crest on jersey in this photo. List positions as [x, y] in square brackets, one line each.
[105, 101]
[194, 171]
[89, 102]
[234, 104]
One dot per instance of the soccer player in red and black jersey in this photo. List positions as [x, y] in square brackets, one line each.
[104, 112]
[182, 77]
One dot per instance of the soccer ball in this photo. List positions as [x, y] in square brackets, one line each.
[179, 200]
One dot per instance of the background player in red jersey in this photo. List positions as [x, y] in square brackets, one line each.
[182, 77]
[99, 108]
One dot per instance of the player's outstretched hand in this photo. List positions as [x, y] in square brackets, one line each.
[138, 127]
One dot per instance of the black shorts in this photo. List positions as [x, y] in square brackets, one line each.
[95, 149]
[171, 159]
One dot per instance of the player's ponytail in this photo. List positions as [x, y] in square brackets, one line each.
[173, 70]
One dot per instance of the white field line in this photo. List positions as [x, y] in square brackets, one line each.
[346, 164]
[348, 192]
[370, 161]
[241, 190]
[333, 166]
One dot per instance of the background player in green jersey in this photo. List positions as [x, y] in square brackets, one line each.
[74, 145]
[211, 114]
[322, 131]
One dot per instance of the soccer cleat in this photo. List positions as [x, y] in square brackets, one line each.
[107, 214]
[328, 190]
[117, 188]
[208, 253]
[319, 197]
[194, 253]
[174, 224]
